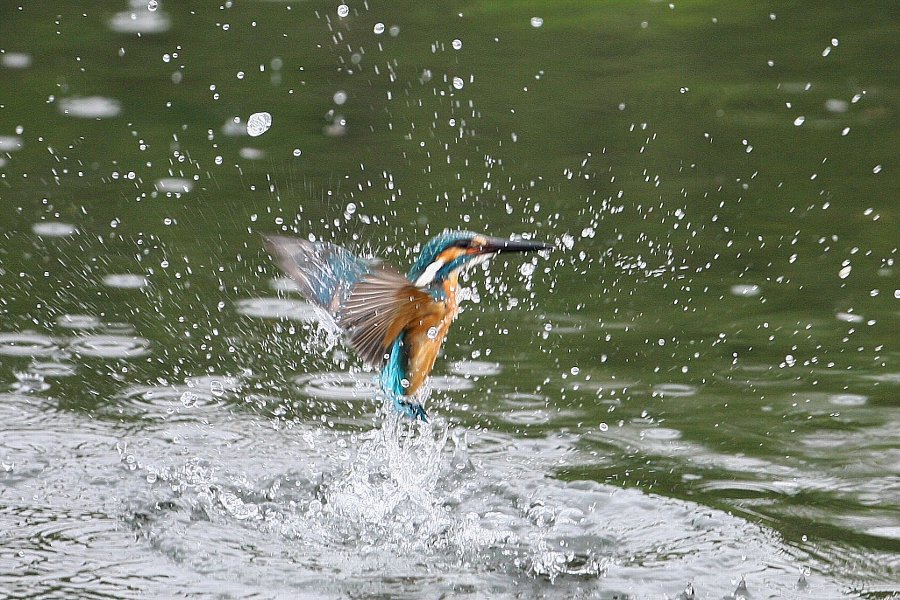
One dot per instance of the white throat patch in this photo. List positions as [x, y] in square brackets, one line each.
[428, 274]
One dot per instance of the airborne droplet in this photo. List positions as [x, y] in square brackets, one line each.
[258, 123]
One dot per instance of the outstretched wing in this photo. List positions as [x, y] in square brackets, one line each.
[374, 303]
[382, 305]
[324, 272]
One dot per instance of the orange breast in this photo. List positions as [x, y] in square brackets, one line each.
[425, 336]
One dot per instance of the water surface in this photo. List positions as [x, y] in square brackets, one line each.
[694, 395]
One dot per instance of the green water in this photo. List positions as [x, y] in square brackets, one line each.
[706, 368]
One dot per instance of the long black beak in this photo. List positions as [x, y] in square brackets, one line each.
[504, 245]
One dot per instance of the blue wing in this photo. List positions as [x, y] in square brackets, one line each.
[324, 272]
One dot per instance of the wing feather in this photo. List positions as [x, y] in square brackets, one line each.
[381, 305]
[373, 303]
[324, 272]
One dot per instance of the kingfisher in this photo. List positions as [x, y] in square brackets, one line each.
[396, 323]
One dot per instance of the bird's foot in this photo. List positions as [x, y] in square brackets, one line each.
[413, 410]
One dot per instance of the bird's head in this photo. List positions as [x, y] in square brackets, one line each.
[448, 253]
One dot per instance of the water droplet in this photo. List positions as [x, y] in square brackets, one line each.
[799, 121]
[604, 427]
[457, 44]
[340, 97]
[216, 387]
[297, 152]
[536, 22]
[152, 5]
[876, 169]
[458, 83]
[343, 10]
[189, 399]
[844, 273]
[432, 333]
[379, 28]
[404, 383]
[258, 123]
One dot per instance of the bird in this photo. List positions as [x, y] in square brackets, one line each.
[396, 323]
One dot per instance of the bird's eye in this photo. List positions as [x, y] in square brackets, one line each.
[462, 244]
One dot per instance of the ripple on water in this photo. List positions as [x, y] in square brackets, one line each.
[731, 488]
[564, 324]
[10, 143]
[174, 185]
[674, 390]
[475, 368]
[125, 281]
[26, 344]
[90, 107]
[110, 346]
[217, 385]
[63, 552]
[78, 321]
[140, 20]
[277, 308]
[248, 153]
[284, 284]
[450, 383]
[537, 416]
[746, 290]
[524, 400]
[169, 403]
[663, 434]
[848, 399]
[346, 385]
[15, 60]
[887, 532]
[847, 317]
[53, 229]
[337, 385]
[759, 376]
[52, 369]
